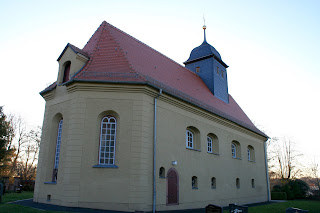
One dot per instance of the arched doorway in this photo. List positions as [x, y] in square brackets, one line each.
[172, 187]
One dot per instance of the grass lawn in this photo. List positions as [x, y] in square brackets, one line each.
[312, 206]
[5, 207]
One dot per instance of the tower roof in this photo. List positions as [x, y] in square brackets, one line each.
[203, 51]
[116, 57]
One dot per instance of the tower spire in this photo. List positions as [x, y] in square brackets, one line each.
[204, 30]
[204, 33]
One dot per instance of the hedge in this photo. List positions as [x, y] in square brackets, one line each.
[278, 195]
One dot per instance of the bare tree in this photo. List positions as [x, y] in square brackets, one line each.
[314, 173]
[20, 132]
[27, 167]
[283, 158]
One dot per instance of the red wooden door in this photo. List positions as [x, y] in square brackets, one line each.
[172, 187]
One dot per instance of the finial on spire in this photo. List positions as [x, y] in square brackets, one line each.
[204, 29]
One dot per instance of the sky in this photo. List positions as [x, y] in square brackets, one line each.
[272, 49]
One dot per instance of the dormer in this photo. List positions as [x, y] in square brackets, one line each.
[71, 60]
[206, 62]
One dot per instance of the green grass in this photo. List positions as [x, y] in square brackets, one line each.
[312, 206]
[5, 207]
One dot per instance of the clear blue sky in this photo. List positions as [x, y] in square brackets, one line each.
[272, 48]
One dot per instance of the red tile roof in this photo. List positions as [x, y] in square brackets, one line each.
[118, 57]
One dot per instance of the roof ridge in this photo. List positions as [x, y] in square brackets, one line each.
[150, 48]
[95, 46]
[104, 22]
[124, 55]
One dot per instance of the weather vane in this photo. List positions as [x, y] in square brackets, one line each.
[204, 23]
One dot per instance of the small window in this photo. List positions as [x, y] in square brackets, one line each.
[252, 183]
[222, 73]
[218, 72]
[209, 141]
[234, 150]
[238, 183]
[66, 72]
[212, 143]
[162, 173]
[213, 183]
[194, 182]
[250, 153]
[193, 138]
[197, 69]
[189, 139]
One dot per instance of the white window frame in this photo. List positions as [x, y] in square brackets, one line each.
[57, 154]
[209, 144]
[249, 154]
[234, 150]
[107, 148]
[189, 139]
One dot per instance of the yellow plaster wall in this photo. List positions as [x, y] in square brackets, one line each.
[129, 187]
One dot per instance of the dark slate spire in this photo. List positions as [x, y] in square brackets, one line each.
[206, 62]
[203, 50]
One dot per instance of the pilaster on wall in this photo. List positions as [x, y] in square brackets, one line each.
[73, 151]
[140, 197]
[41, 170]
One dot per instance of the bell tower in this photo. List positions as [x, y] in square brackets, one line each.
[206, 62]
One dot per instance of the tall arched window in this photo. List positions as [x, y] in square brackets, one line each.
[57, 155]
[107, 140]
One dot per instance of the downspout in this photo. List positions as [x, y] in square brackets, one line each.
[267, 169]
[154, 151]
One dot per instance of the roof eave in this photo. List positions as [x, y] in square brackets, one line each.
[205, 57]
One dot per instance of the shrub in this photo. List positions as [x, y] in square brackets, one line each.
[278, 196]
[294, 189]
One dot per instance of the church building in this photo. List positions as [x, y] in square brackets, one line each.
[126, 128]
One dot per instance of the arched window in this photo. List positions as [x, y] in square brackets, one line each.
[213, 183]
[250, 153]
[252, 183]
[209, 141]
[107, 140]
[189, 139]
[235, 150]
[162, 173]
[212, 143]
[66, 71]
[57, 154]
[194, 182]
[193, 138]
[238, 183]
